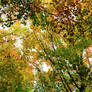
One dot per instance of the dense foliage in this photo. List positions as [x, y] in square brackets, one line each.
[59, 35]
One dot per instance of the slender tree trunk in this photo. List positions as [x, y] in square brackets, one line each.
[82, 88]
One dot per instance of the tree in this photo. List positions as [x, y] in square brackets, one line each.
[61, 32]
[13, 65]
[66, 60]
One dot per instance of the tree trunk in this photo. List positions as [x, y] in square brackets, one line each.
[82, 88]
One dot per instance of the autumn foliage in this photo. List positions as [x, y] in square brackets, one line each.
[46, 46]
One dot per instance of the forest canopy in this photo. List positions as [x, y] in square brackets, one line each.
[53, 33]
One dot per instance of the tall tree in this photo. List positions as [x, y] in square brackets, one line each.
[61, 32]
